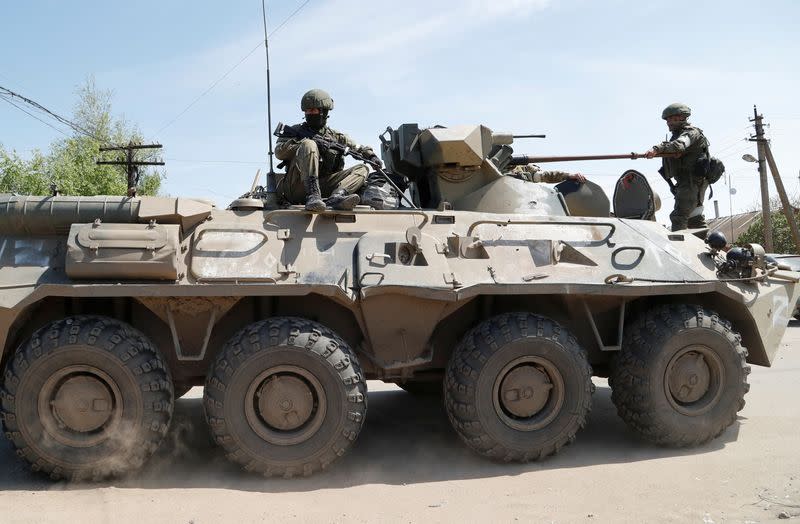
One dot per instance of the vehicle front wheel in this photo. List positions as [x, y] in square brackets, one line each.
[681, 375]
[286, 397]
[86, 397]
[518, 387]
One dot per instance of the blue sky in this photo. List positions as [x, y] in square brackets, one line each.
[592, 75]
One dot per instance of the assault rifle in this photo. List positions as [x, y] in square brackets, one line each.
[284, 131]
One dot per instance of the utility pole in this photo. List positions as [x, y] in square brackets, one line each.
[788, 210]
[762, 173]
[130, 163]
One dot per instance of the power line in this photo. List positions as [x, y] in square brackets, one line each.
[229, 71]
[244, 162]
[286, 20]
[208, 90]
[5, 93]
[48, 124]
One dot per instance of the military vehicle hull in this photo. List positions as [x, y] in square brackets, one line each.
[110, 305]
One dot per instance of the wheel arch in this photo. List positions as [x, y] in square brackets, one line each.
[733, 311]
[569, 311]
[20, 324]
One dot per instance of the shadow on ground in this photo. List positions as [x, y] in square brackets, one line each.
[406, 440]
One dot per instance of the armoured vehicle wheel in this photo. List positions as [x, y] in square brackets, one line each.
[518, 387]
[86, 397]
[681, 376]
[286, 396]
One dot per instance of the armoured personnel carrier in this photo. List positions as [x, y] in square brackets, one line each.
[506, 295]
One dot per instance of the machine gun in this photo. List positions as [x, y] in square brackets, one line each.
[284, 131]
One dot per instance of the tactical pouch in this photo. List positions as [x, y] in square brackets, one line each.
[715, 170]
[709, 167]
[330, 161]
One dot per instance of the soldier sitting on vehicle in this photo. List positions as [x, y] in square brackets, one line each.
[315, 170]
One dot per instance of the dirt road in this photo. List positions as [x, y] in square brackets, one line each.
[408, 466]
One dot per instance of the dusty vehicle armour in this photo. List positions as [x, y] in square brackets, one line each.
[491, 293]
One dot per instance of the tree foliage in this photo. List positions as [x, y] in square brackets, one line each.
[781, 233]
[70, 166]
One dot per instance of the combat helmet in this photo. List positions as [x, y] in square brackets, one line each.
[316, 98]
[675, 109]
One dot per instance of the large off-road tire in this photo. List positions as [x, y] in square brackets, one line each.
[681, 375]
[518, 387]
[86, 397]
[286, 396]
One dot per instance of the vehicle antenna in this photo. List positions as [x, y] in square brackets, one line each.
[271, 174]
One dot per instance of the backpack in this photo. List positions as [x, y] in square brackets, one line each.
[709, 167]
[715, 169]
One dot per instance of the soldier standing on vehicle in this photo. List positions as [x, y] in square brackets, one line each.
[687, 163]
[314, 170]
[534, 173]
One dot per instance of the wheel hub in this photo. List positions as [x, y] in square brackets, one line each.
[285, 405]
[689, 378]
[528, 393]
[285, 402]
[525, 391]
[82, 403]
[78, 405]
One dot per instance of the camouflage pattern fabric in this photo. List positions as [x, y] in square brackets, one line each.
[690, 189]
[307, 160]
[534, 173]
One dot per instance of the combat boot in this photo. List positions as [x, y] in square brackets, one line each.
[314, 200]
[342, 201]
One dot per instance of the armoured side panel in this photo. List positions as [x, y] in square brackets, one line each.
[123, 251]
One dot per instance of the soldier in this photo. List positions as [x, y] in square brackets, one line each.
[686, 166]
[534, 173]
[315, 171]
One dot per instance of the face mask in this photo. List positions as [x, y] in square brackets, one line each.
[677, 126]
[317, 121]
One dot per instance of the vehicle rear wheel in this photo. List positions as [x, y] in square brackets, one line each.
[681, 376]
[86, 397]
[518, 387]
[286, 396]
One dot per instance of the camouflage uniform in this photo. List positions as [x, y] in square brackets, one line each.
[690, 186]
[307, 160]
[534, 173]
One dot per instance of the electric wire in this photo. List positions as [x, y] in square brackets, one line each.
[244, 162]
[6, 93]
[229, 71]
[48, 124]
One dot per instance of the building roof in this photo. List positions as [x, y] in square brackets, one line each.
[733, 226]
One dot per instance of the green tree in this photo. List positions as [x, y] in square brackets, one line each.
[781, 233]
[19, 175]
[70, 163]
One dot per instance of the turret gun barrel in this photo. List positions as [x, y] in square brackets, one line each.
[521, 160]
